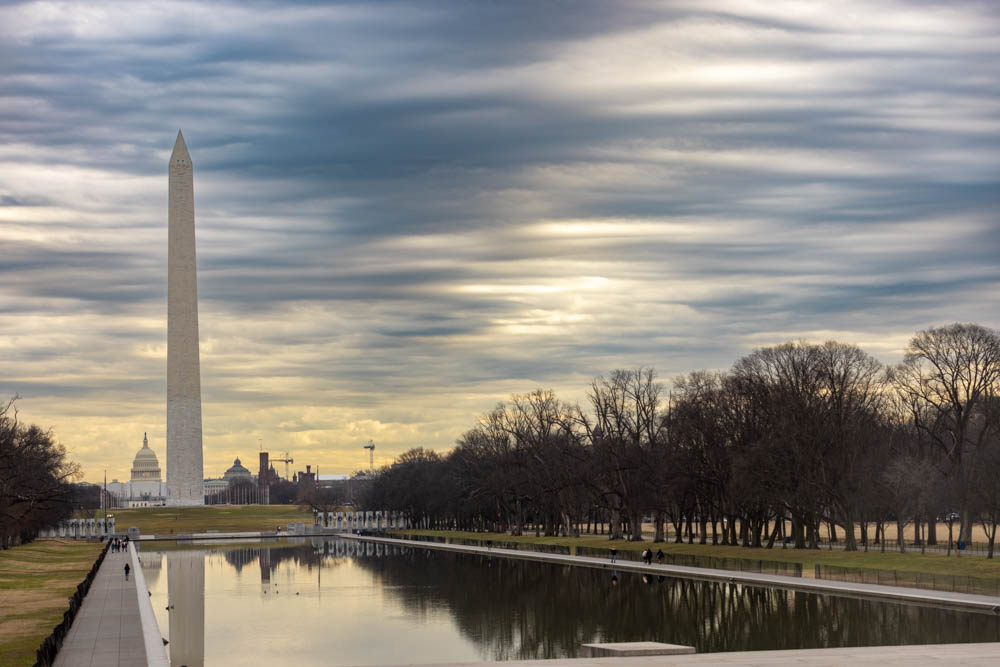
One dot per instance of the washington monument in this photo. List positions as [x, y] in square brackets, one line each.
[185, 481]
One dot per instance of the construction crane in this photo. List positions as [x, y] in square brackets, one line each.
[371, 456]
[287, 460]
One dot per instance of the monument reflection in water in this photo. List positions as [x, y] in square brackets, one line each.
[186, 608]
[338, 602]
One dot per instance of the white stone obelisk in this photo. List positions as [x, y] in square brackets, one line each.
[185, 481]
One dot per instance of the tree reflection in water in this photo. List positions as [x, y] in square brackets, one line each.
[515, 609]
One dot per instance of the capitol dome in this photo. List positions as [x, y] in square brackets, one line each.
[145, 466]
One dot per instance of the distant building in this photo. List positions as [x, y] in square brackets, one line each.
[145, 487]
[307, 478]
[237, 471]
[213, 486]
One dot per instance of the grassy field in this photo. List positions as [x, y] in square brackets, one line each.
[972, 566]
[224, 518]
[36, 580]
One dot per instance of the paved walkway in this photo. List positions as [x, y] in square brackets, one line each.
[912, 656]
[963, 601]
[106, 631]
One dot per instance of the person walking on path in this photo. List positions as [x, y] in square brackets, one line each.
[614, 554]
[659, 556]
[127, 570]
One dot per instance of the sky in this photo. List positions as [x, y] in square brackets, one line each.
[408, 211]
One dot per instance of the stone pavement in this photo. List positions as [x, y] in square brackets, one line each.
[862, 656]
[963, 601]
[107, 631]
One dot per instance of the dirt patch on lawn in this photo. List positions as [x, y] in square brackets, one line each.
[19, 602]
[22, 626]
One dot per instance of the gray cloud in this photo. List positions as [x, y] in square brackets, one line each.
[407, 211]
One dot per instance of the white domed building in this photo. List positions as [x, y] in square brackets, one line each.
[146, 487]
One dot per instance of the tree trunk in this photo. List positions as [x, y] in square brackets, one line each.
[568, 525]
[615, 524]
[798, 534]
[812, 532]
[658, 522]
[774, 533]
[517, 528]
[675, 521]
[932, 531]
[635, 522]
[850, 542]
[899, 534]
[965, 526]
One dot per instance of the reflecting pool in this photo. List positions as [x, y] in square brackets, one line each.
[339, 602]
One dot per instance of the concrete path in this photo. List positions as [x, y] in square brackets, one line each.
[106, 631]
[963, 601]
[912, 656]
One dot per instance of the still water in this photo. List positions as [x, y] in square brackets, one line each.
[339, 602]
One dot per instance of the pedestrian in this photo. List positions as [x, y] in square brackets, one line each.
[614, 554]
[659, 556]
[647, 556]
[127, 570]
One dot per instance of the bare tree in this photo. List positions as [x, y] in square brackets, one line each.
[631, 432]
[947, 379]
[35, 489]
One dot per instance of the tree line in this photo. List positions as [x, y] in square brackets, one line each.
[791, 438]
[35, 479]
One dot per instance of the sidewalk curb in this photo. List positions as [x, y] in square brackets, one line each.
[156, 652]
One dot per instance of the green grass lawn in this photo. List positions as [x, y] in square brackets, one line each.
[36, 581]
[224, 518]
[912, 561]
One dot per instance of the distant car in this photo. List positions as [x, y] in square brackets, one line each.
[951, 516]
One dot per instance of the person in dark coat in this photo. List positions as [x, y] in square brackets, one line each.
[127, 570]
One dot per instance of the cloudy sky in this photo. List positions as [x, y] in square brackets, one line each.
[407, 211]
